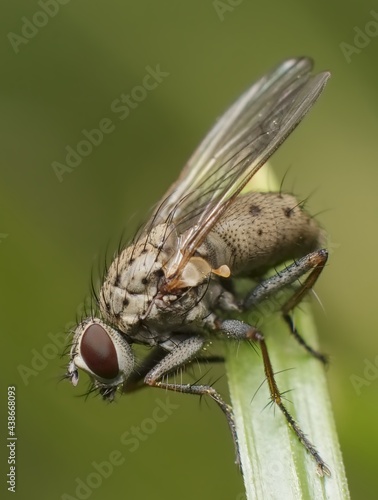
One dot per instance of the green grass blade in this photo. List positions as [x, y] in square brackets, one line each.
[275, 464]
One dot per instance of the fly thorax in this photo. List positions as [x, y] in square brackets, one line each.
[133, 278]
[191, 295]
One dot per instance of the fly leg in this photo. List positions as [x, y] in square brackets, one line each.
[312, 263]
[179, 356]
[133, 383]
[238, 330]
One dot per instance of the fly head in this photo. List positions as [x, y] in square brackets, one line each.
[103, 353]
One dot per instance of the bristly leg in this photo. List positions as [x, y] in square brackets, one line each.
[318, 260]
[298, 337]
[237, 330]
[135, 381]
[313, 264]
[181, 355]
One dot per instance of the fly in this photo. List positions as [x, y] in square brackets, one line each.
[170, 288]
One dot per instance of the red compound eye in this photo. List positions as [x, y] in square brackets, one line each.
[99, 353]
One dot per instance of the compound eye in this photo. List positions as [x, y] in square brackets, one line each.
[103, 352]
[99, 353]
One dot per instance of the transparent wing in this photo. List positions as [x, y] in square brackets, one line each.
[237, 146]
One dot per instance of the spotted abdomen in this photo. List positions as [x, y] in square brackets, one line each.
[259, 231]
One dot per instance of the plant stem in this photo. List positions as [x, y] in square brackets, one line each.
[275, 464]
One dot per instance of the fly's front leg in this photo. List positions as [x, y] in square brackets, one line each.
[133, 383]
[237, 330]
[312, 263]
[179, 356]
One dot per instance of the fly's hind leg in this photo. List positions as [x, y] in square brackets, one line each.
[313, 263]
[238, 330]
[182, 353]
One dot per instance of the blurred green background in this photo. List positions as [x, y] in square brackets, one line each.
[64, 77]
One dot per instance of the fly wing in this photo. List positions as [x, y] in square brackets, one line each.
[237, 146]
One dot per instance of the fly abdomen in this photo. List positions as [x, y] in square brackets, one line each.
[260, 231]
